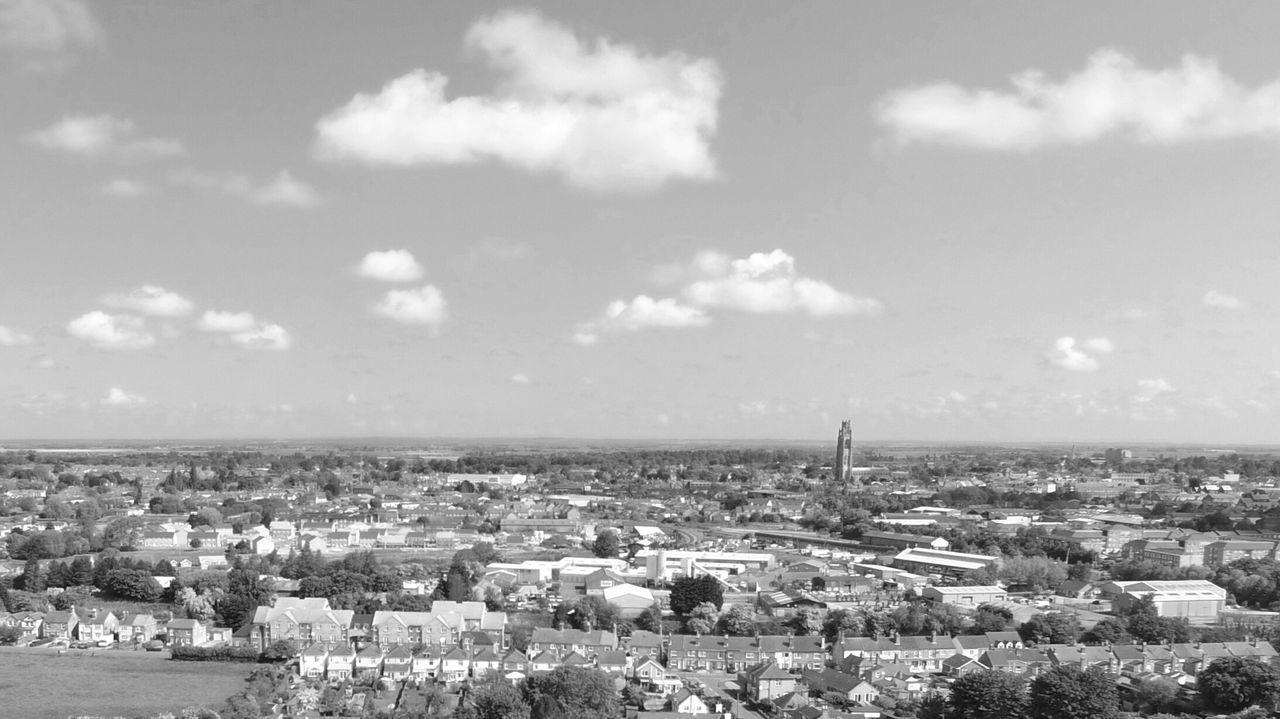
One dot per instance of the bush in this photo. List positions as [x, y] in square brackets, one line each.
[214, 654]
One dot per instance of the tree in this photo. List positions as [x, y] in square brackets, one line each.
[133, 584]
[689, 592]
[701, 619]
[1154, 694]
[807, 621]
[990, 618]
[988, 694]
[494, 700]
[1069, 691]
[579, 693]
[842, 622]
[1107, 631]
[739, 621]
[1233, 683]
[1055, 628]
[9, 635]
[650, 620]
[607, 544]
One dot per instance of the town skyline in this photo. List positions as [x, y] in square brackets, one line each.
[626, 223]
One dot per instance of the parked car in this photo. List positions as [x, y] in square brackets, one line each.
[155, 645]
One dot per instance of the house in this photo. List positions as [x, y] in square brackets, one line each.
[368, 662]
[301, 620]
[187, 633]
[341, 663]
[686, 702]
[136, 628]
[642, 643]
[397, 663]
[99, 627]
[830, 681]
[29, 625]
[765, 682]
[61, 624]
[485, 661]
[311, 661]
[615, 662]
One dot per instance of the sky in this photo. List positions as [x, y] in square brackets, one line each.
[944, 221]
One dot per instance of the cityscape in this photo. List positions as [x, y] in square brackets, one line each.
[809, 360]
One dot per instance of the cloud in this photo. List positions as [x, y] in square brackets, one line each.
[643, 312]
[390, 266]
[244, 329]
[151, 300]
[1150, 389]
[126, 188]
[103, 137]
[602, 115]
[264, 336]
[1067, 354]
[423, 306]
[282, 191]
[13, 338]
[216, 321]
[111, 332]
[1222, 301]
[1111, 96]
[767, 283]
[519, 378]
[117, 397]
[45, 35]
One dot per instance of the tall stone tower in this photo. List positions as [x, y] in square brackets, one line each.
[844, 451]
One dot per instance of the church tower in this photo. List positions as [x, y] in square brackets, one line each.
[844, 451]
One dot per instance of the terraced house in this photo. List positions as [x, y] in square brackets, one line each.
[732, 654]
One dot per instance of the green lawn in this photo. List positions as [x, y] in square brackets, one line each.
[42, 684]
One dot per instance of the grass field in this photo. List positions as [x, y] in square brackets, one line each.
[42, 684]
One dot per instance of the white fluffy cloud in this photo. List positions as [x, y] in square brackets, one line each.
[767, 283]
[103, 137]
[244, 329]
[151, 300]
[643, 312]
[111, 332]
[284, 190]
[1150, 389]
[216, 321]
[263, 336]
[422, 306]
[12, 338]
[1079, 357]
[117, 397]
[520, 378]
[1112, 96]
[43, 35]
[390, 266]
[1222, 301]
[762, 283]
[603, 115]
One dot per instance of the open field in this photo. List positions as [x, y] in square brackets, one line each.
[42, 684]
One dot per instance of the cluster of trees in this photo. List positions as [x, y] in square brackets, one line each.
[1063, 691]
[117, 576]
[344, 582]
[564, 693]
[689, 592]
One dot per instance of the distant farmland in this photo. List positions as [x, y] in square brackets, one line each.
[41, 684]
